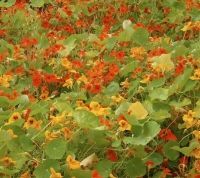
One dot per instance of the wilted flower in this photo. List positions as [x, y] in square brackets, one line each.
[126, 24]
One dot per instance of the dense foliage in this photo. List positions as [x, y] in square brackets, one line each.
[99, 89]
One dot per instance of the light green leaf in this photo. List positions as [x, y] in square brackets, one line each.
[37, 3]
[55, 149]
[112, 88]
[163, 62]
[43, 170]
[125, 70]
[159, 93]
[149, 131]
[86, 119]
[7, 3]
[126, 35]
[186, 150]
[123, 107]
[180, 81]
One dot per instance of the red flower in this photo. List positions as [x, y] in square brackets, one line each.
[167, 134]
[149, 163]
[28, 42]
[111, 155]
[2, 33]
[36, 79]
[105, 122]
[95, 174]
[197, 176]
[77, 64]
[50, 78]
[120, 55]
[123, 9]
[93, 88]
[157, 52]
[1, 57]
[166, 171]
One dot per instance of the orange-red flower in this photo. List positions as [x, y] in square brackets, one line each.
[95, 174]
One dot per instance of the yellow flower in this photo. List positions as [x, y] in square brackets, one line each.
[7, 161]
[112, 176]
[44, 95]
[196, 153]
[68, 83]
[187, 27]
[51, 135]
[138, 53]
[146, 79]
[95, 105]
[98, 110]
[196, 75]
[197, 165]
[4, 80]
[72, 163]
[124, 125]
[66, 63]
[82, 79]
[55, 174]
[117, 99]
[58, 119]
[196, 134]
[52, 62]
[80, 103]
[189, 119]
[14, 117]
[25, 175]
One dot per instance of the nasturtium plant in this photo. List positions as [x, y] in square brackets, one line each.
[99, 89]
[55, 149]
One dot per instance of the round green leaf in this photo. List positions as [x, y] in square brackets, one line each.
[56, 149]
[86, 119]
[135, 167]
[169, 152]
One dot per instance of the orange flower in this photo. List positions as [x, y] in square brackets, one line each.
[55, 174]
[31, 122]
[124, 125]
[25, 175]
[138, 53]
[196, 153]
[7, 161]
[196, 75]
[72, 163]
[66, 132]
[95, 174]
[51, 135]
[15, 116]
[197, 165]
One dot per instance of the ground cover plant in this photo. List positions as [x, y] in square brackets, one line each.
[99, 89]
